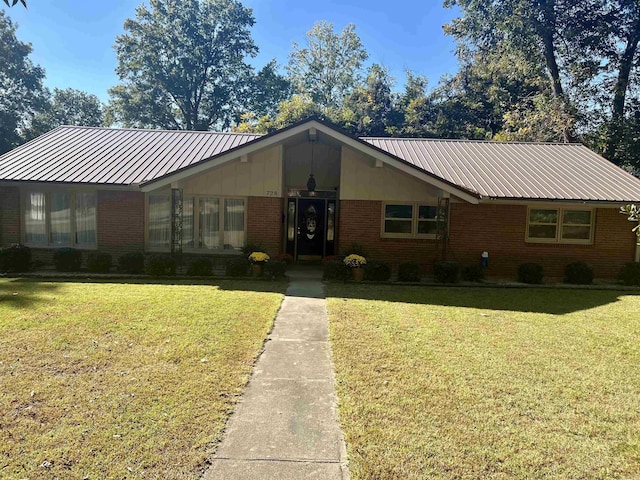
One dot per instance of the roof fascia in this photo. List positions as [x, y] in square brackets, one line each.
[279, 137]
[556, 201]
[97, 186]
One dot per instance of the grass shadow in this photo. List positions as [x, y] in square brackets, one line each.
[23, 294]
[554, 301]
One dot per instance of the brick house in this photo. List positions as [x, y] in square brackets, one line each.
[313, 190]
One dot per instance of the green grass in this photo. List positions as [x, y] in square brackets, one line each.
[123, 381]
[487, 383]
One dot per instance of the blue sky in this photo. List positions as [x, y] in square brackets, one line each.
[73, 39]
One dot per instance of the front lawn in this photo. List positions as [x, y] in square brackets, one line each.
[106, 381]
[487, 383]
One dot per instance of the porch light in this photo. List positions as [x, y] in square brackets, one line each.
[311, 184]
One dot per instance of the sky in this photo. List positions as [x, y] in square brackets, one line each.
[73, 39]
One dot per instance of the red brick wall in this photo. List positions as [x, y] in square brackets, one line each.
[498, 229]
[120, 221]
[9, 215]
[264, 223]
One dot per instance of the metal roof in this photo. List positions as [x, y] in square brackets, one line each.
[112, 156]
[541, 171]
[497, 170]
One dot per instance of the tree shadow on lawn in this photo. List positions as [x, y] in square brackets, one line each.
[23, 294]
[554, 301]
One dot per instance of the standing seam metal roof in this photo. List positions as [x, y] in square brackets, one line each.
[492, 169]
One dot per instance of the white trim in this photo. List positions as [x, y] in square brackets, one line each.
[277, 138]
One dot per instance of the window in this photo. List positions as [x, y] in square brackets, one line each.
[60, 218]
[208, 223]
[563, 225]
[407, 220]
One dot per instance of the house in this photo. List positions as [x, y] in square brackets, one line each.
[313, 190]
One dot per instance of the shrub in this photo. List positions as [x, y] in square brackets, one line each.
[409, 272]
[578, 273]
[630, 274]
[275, 268]
[530, 273]
[67, 259]
[16, 258]
[355, 249]
[237, 267]
[284, 257]
[473, 273]
[447, 271]
[98, 262]
[252, 247]
[336, 270]
[377, 271]
[200, 267]
[160, 265]
[132, 263]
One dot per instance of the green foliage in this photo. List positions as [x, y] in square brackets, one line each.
[409, 272]
[251, 247]
[336, 270]
[183, 65]
[16, 258]
[329, 67]
[98, 262]
[630, 274]
[11, 3]
[21, 93]
[200, 267]
[131, 263]
[473, 273]
[447, 271]
[237, 267]
[530, 273]
[633, 213]
[160, 265]
[275, 269]
[354, 249]
[67, 259]
[578, 273]
[377, 271]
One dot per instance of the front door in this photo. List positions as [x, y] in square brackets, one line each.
[311, 228]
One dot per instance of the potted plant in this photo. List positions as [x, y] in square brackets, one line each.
[258, 259]
[355, 263]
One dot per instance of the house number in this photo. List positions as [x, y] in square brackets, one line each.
[272, 193]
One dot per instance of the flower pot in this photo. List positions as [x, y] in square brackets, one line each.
[256, 269]
[358, 274]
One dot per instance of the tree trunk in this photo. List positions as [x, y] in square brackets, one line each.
[614, 134]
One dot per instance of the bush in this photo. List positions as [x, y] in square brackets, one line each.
[336, 270]
[16, 258]
[132, 263]
[354, 249]
[200, 267]
[160, 265]
[249, 248]
[530, 273]
[237, 267]
[377, 271]
[67, 259]
[447, 271]
[578, 273]
[98, 262]
[630, 274]
[275, 268]
[473, 273]
[409, 272]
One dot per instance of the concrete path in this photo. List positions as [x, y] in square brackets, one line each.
[285, 426]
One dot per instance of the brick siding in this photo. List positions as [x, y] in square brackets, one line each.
[264, 223]
[497, 229]
[9, 215]
[120, 222]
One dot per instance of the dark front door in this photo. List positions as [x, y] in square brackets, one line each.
[310, 228]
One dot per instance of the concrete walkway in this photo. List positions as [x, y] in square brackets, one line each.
[285, 426]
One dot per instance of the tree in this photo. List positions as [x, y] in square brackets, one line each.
[66, 107]
[182, 64]
[632, 211]
[21, 90]
[329, 67]
[11, 3]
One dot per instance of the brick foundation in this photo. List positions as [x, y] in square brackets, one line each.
[497, 229]
[264, 223]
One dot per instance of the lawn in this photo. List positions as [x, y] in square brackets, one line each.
[106, 381]
[487, 383]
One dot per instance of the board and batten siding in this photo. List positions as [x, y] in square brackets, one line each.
[360, 179]
[259, 176]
